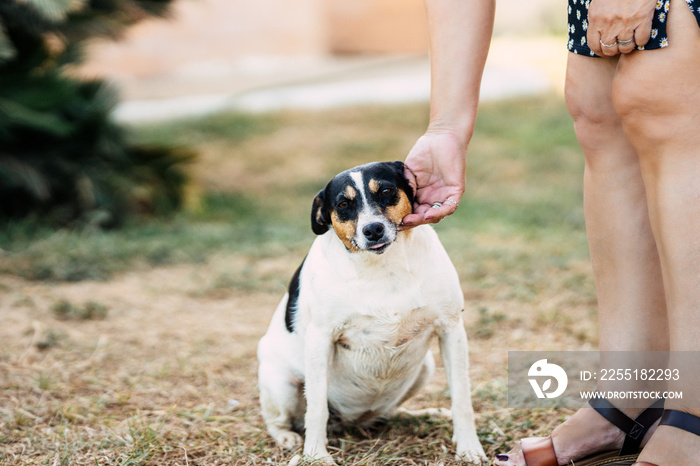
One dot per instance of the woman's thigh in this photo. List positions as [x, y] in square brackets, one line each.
[657, 92]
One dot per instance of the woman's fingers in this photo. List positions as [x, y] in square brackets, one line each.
[424, 213]
[642, 34]
[619, 26]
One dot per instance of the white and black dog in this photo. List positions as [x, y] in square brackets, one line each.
[351, 338]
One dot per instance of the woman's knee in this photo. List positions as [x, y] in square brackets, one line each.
[588, 93]
[595, 118]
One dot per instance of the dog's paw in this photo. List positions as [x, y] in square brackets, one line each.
[440, 413]
[324, 461]
[472, 455]
[288, 439]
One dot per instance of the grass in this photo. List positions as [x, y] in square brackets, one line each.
[524, 182]
[65, 310]
[167, 375]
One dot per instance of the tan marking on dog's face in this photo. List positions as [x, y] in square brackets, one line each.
[350, 192]
[374, 185]
[397, 212]
[345, 231]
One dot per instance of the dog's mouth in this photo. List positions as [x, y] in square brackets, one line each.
[381, 244]
[378, 248]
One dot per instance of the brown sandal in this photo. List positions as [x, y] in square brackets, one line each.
[679, 420]
[539, 451]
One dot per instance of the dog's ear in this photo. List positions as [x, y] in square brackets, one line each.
[398, 166]
[320, 217]
[402, 181]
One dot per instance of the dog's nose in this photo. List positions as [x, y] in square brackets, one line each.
[373, 231]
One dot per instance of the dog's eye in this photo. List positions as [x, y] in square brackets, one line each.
[343, 204]
[387, 191]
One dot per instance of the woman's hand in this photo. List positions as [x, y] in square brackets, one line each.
[435, 169]
[619, 26]
[460, 33]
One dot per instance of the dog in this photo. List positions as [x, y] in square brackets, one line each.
[350, 341]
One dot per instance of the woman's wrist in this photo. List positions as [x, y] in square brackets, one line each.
[462, 130]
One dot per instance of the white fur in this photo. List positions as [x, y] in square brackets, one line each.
[386, 308]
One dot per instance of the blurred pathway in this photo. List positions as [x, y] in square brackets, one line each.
[516, 66]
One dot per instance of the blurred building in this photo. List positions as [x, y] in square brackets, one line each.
[209, 50]
[208, 32]
[221, 32]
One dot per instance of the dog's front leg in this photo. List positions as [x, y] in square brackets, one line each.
[455, 355]
[317, 356]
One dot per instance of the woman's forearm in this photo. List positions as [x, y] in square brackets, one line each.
[460, 33]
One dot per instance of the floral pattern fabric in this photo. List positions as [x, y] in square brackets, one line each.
[578, 25]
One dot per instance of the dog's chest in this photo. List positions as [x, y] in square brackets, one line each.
[391, 332]
[382, 345]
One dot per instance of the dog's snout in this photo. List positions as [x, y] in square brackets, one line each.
[373, 231]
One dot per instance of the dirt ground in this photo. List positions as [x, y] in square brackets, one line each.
[170, 344]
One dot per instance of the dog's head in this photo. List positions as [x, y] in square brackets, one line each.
[364, 206]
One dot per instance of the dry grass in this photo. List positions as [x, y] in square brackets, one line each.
[165, 372]
[169, 377]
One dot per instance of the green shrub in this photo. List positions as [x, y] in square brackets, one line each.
[62, 157]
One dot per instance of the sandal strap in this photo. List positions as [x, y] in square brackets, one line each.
[681, 420]
[646, 418]
[538, 451]
[634, 429]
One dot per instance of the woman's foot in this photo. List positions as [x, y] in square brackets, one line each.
[673, 445]
[583, 434]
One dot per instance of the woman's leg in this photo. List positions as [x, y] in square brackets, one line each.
[631, 310]
[626, 269]
[657, 94]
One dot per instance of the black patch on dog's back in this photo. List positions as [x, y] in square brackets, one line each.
[293, 299]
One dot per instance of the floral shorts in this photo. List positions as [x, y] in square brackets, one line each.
[578, 25]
